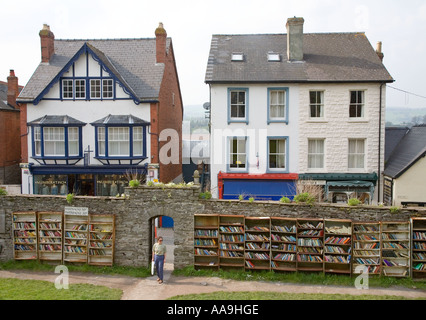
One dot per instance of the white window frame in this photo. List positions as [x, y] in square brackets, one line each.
[95, 89]
[73, 141]
[121, 137]
[315, 155]
[56, 137]
[137, 141]
[241, 154]
[277, 105]
[318, 105]
[357, 104]
[80, 89]
[107, 88]
[101, 141]
[67, 84]
[358, 155]
[37, 141]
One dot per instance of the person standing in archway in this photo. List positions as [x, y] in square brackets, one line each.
[159, 257]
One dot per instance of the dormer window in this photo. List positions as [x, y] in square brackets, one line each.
[237, 56]
[274, 57]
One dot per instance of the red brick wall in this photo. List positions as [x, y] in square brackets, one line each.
[170, 114]
[10, 145]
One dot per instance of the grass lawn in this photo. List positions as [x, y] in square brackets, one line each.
[259, 295]
[16, 289]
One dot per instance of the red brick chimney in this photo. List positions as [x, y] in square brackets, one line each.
[161, 37]
[12, 89]
[47, 39]
[379, 51]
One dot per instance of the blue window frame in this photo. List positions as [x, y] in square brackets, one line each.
[120, 142]
[278, 105]
[238, 105]
[56, 142]
[278, 148]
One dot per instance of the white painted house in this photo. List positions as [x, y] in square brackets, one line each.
[93, 112]
[295, 106]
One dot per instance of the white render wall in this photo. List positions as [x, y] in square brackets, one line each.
[257, 129]
[337, 128]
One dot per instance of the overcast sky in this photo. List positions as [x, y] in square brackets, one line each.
[400, 25]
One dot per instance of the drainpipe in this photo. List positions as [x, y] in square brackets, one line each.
[380, 144]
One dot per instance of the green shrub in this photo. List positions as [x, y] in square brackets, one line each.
[241, 197]
[70, 198]
[395, 210]
[354, 202]
[251, 199]
[304, 198]
[3, 192]
[134, 183]
[205, 195]
[285, 200]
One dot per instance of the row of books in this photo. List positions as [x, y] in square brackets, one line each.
[205, 252]
[256, 237]
[334, 249]
[257, 255]
[339, 230]
[337, 259]
[393, 245]
[24, 225]
[25, 240]
[419, 256]
[366, 228]
[231, 254]
[364, 237]
[44, 233]
[367, 253]
[231, 229]
[50, 240]
[78, 227]
[230, 246]
[205, 242]
[419, 235]
[97, 236]
[231, 238]
[338, 240]
[312, 233]
[420, 267]
[21, 233]
[309, 250]
[419, 245]
[371, 245]
[309, 258]
[49, 226]
[70, 249]
[74, 235]
[49, 247]
[21, 247]
[286, 229]
[285, 257]
[308, 225]
[205, 233]
[286, 238]
[392, 263]
[310, 242]
[284, 247]
[257, 228]
[366, 261]
[96, 252]
[76, 242]
[256, 246]
[393, 236]
[98, 244]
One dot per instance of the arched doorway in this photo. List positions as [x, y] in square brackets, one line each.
[164, 226]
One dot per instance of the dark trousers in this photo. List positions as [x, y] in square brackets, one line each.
[159, 265]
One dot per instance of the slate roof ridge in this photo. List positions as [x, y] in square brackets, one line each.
[283, 34]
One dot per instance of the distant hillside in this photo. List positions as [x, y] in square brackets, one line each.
[191, 112]
[401, 115]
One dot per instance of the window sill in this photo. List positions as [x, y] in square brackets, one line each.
[358, 120]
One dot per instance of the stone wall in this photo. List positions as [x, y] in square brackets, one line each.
[134, 216]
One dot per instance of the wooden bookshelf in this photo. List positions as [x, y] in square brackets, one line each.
[76, 238]
[418, 245]
[101, 239]
[337, 246]
[231, 241]
[257, 245]
[283, 244]
[310, 245]
[396, 253]
[50, 236]
[206, 241]
[366, 247]
[24, 235]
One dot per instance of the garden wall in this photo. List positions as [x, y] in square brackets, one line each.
[135, 212]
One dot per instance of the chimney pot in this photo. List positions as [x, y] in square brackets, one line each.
[295, 39]
[379, 50]
[47, 39]
[161, 38]
[12, 88]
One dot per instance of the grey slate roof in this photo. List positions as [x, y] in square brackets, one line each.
[328, 57]
[3, 97]
[410, 149]
[120, 120]
[56, 120]
[393, 137]
[133, 61]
